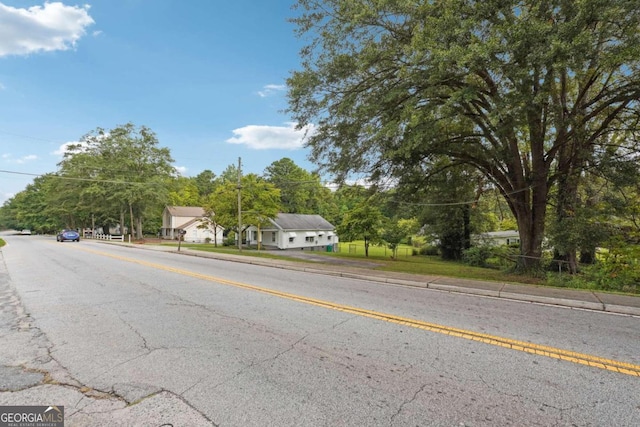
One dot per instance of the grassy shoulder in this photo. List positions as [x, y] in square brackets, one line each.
[405, 262]
[2, 243]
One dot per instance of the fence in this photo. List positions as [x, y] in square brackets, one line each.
[119, 237]
[374, 250]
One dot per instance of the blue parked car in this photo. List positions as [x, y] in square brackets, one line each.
[72, 235]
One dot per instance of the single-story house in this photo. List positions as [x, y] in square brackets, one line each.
[498, 238]
[189, 221]
[296, 231]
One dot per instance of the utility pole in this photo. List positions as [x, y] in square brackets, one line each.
[239, 204]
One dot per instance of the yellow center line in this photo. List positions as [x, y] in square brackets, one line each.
[527, 347]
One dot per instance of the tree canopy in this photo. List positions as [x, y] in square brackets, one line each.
[300, 191]
[527, 92]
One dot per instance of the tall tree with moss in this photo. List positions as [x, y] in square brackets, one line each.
[523, 91]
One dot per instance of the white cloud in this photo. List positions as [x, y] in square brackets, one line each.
[53, 26]
[21, 160]
[269, 90]
[64, 148]
[182, 170]
[6, 196]
[268, 137]
[27, 158]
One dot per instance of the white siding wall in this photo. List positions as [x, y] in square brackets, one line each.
[302, 239]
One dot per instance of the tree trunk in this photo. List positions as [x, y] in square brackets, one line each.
[132, 229]
[570, 165]
[122, 221]
[466, 226]
[588, 257]
[139, 233]
[529, 208]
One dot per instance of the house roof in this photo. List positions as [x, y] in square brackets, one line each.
[287, 221]
[190, 223]
[187, 211]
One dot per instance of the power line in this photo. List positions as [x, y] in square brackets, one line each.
[327, 184]
[20, 173]
[73, 178]
[27, 136]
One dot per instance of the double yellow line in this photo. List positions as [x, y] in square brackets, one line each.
[540, 350]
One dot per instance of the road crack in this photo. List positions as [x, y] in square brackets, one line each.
[407, 402]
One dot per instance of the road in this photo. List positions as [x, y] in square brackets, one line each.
[127, 336]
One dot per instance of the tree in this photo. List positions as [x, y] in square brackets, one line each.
[230, 174]
[346, 198]
[397, 231]
[210, 218]
[365, 222]
[31, 208]
[123, 171]
[206, 182]
[447, 204]
[184, 192]
[260, 202]
[300, 191]
[523, 91]
[221, 207]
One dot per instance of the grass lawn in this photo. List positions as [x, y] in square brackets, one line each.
[404, 263]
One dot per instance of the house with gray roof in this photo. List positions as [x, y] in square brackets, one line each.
[296, 231]
[189, 219]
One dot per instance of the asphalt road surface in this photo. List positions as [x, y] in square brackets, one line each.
[127, 336]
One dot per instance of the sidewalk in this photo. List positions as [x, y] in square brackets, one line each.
[566, 297]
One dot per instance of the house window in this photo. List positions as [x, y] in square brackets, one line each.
[329, 238]
[309, 239]
[291, 239]
[273, 237]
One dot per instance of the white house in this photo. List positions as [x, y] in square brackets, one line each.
[498, 238]
[296, 231]
[189, 220]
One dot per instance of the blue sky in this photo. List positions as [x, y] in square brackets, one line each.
[207, 76]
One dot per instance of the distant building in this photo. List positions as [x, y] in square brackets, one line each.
[189, 220]
[498, 238]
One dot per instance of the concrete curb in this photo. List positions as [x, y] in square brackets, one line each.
[433, 284]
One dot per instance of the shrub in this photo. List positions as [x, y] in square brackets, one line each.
[477, 256]
[617, 269]
[429, 250]
[615, 274]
